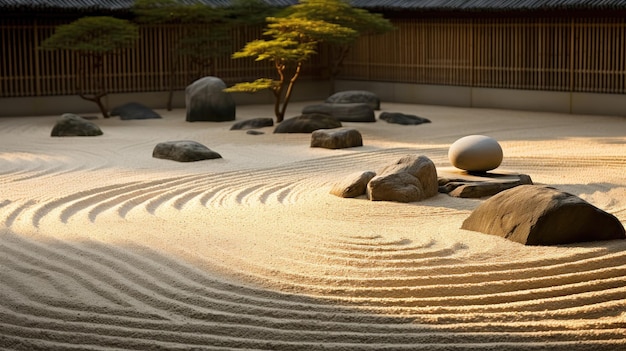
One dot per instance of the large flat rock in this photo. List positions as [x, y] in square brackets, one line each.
[459, 183]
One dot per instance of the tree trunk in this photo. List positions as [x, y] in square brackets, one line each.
[83, 76]
[278, 92]
[97, 99]
[292, 81]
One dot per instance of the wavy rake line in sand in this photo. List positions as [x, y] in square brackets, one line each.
[190, 308]
[235, 188]
[345, 280]
[23, 166]
[551, 304]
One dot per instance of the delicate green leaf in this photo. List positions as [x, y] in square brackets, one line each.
[253, 87]
[93, 35]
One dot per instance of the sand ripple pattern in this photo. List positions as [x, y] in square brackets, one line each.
[59, 296]
[76, 275]
[352, 292]
[275, 185]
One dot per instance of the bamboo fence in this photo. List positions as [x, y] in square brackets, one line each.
[555, 54]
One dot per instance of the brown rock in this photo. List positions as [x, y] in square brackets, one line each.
[412, 178]
[474, 186]
[336, 138]
[536, 215]
[353, 185]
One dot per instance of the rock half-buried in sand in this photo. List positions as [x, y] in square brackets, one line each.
[538, 215]
[134, 110]
[412, 178]
[307, 124]
[355, 96]
[459, 183]
[356, 112]
[253, 123]
[73, 125]
[353, 185]
[336, 138]
[183, 151]
[402, 118]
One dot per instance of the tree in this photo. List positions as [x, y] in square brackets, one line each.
[205, 34]
[340, 12]
[92, 39]
[291, 42]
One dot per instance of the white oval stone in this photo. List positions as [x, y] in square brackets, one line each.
[475, 153]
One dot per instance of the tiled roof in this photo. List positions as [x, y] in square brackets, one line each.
[416, 5]
[108, 4]
[492, 5]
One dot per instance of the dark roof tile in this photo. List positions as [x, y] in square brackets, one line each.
[417, 5]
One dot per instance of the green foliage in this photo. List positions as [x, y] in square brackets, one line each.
[249, 12]
[253, 87]
[340, 12]
[278, 50]
[205, 33]
[241, 12]
[176, 12]
[305, 30]
[92, 37]
[292, 40]
[97, 35]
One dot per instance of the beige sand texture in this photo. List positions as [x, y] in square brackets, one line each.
[103, 247]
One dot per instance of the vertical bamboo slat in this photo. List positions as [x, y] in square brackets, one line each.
[576, 55]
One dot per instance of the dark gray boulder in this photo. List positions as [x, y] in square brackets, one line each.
[353, 185]
[356, 112]
[401, 118]
[480, 185]
[184, 151]
[538, 215]
[134, 110]
[307, 124]
[336, 138]
[72, 125]
[253, 123]
[206, 100]
[412, 178]
[355, 96]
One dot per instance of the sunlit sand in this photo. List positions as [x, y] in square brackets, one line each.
[103, 246]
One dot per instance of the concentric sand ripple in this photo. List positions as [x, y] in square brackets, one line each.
[136, 298]
[105, 248]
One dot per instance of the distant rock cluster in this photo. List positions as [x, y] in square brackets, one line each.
[515, 208]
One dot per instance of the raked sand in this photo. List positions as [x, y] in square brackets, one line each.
[103, 247]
